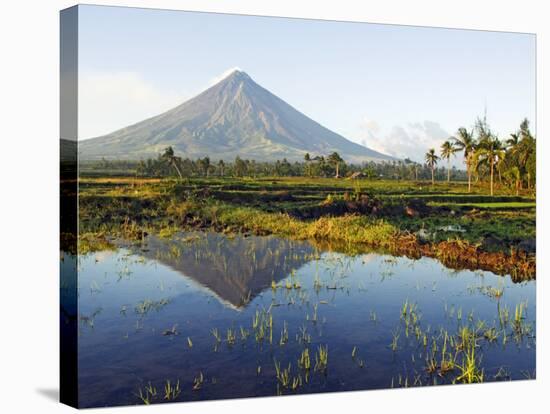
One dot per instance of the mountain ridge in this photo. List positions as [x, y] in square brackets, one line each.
[234, 117]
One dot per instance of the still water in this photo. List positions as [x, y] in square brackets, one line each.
[216, 316]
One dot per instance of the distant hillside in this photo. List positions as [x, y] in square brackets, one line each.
[234, 117]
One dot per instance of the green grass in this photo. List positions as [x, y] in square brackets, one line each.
[497, 205]
[350, 215]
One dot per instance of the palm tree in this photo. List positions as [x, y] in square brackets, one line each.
[526, 150]
[490, 152]
[514, 175]
[171, 159]
[448, 150]
[335, 159]
[513, 141]
[489, 149]
[221, 167]
[205, 165]
[240, 167]
[524, 131]
[431, 161]
[501, 163]
[464, 141]
[307, 159]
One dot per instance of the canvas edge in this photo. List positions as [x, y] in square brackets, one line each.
[68, 127]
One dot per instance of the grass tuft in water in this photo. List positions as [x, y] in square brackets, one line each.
[171, 392]
[321, 358]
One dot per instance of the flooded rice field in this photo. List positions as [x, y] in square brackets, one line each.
[204, 316]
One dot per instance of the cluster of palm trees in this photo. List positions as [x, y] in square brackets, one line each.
[485, 155]
[168, 162]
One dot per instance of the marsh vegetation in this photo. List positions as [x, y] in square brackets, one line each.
[444, 221]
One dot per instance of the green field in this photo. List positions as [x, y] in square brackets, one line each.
[404, 217]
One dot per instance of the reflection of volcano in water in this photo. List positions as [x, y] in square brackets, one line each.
[236, 269]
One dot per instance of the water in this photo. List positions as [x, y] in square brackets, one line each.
[140, 306]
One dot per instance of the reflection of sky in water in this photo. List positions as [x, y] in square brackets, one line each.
[205, 283]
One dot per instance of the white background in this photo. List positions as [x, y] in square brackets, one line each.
[29, 85]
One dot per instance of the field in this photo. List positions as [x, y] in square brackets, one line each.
[208, 288]
[461, 229]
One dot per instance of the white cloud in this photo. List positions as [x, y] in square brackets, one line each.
[411, 140]
[370, 125]
[109, 101]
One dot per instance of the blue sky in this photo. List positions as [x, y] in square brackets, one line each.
[397, 89]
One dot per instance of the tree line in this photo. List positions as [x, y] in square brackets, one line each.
[512, 161]
[333, 165]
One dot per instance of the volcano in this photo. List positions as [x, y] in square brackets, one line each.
[235, 117]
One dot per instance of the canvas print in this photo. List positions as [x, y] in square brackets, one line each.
[264, 206]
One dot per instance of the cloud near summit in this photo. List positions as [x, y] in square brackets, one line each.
[411, 140]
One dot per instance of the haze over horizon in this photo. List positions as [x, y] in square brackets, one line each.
[398, 90]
